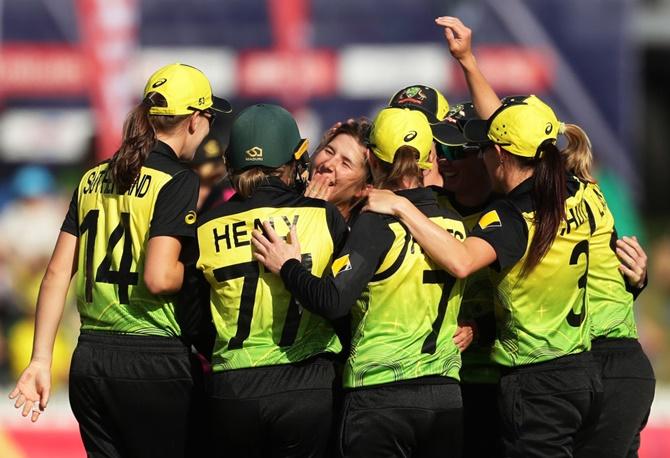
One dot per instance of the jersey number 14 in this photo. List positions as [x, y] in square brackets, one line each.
[104, 274]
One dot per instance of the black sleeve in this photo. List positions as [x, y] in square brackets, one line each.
[71, 223]
[333, 295]
[174, 213]
[503, 227]
[337, 226]
[193, 312]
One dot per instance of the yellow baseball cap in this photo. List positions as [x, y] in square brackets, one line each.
[186, 89]
[393, 128]
[520, 125]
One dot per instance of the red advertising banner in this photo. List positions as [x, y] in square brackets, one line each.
[109, 40]
[44, 70]
[294, 76]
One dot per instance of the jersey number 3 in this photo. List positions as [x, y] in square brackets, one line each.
[575, 320]
[122, 277]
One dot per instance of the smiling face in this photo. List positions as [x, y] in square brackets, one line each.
[343, 162]
[461, 174]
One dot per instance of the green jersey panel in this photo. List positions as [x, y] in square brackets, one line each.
[542, 316]
[113, 235]
[477, 306]
[404, 322]
[258, 323]
[611, 305]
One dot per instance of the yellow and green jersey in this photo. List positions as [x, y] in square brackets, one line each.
[477, 305]
[610, 300]
[403, 306]
[543, 315]
[113, 231]
[258, 322]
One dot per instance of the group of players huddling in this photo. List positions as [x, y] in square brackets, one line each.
[448, 282]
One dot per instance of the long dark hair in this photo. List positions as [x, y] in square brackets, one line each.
[548, 194]
[139, 137]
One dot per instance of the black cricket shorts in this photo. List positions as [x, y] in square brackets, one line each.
[131, 394]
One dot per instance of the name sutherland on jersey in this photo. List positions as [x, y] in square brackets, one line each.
[239, 233]
[99, 181]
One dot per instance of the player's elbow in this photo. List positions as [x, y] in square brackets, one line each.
[161, 283]
[460, 272]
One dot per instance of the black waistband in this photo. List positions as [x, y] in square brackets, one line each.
[618, 343]
[582, 359]
[133, 341]
[426, 380]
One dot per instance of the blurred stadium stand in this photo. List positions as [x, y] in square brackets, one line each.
[69, 70]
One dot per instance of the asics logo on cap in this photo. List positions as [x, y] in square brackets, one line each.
[411, 135]
[548, 129]
[254, 154]
[160, 82]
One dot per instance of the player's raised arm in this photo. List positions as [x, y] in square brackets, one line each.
[459, 39]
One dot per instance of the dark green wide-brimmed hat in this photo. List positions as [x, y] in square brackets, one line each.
[264, 135]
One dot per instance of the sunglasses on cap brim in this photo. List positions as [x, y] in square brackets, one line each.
[207, 113]
[456, 152]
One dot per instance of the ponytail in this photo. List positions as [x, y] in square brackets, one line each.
[549, 194]
[578, 154]
[139, 138]
[404, 167]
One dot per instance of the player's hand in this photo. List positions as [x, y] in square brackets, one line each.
[459, 37]
[383, 201]
[465, 334]
[32, 390]
[271, 250]
[633, 261]
[319, 187]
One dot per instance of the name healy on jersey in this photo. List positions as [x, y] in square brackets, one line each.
[99, 181]
[239, 233]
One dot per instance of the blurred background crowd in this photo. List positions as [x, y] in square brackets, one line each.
[71, 69]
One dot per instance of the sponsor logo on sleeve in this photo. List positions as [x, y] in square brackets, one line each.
[341, 264]
[490, 220]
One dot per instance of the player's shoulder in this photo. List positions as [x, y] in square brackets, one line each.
[169, 165]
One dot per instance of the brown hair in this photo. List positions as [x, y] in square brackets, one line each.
[548, 194]
[578, 154]
[139, 137]
[357, 128]
[391, 176]
[246, 181]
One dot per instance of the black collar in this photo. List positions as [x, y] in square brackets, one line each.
[164, 149]
[526, 186]
[418, 196]
[273, 184]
